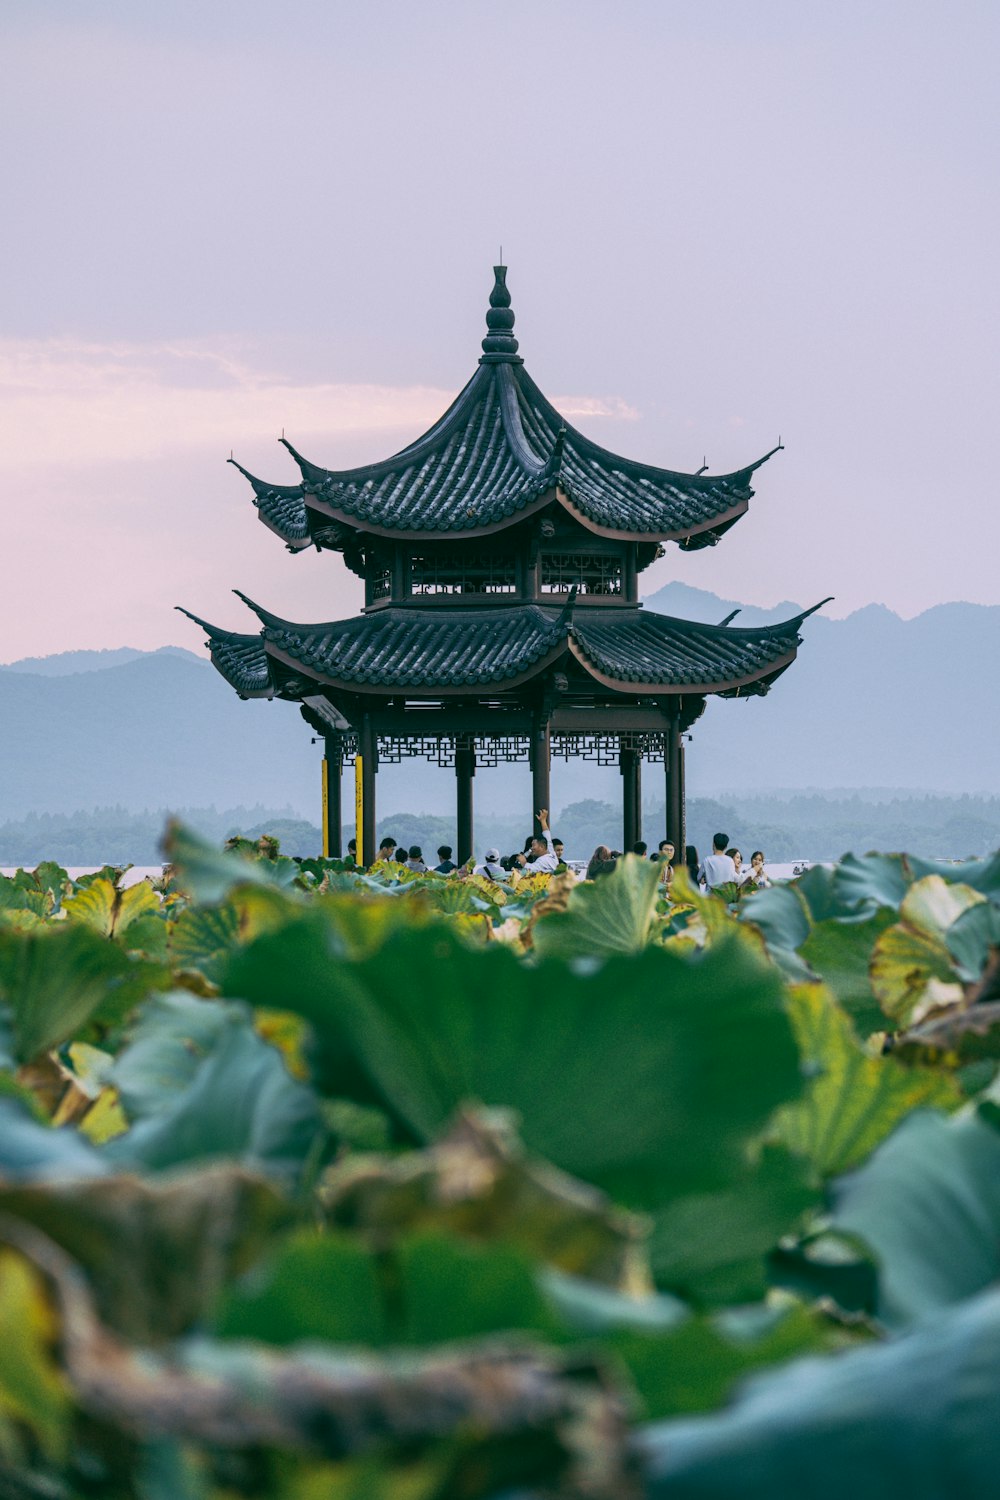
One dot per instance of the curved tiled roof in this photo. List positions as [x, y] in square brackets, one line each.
[500, 448]
[411, 649]
[242, 659]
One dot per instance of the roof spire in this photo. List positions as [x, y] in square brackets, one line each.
[500, 341]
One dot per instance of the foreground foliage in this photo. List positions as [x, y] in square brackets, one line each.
[316, 1182]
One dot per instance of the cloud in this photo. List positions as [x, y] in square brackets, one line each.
[74, 404]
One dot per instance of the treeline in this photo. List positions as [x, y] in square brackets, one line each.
[789, 826]
[119, 835]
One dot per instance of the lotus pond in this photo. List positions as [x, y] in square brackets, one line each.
[322, 1185]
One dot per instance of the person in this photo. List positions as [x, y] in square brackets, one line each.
[756, 877]
[601, 862]
[543, 856]
[665, 856]
[415, 862]
[557, 845]
[692, 864]
[640, 847]
[385, 849]
[445, 863]
[737, 859]
[491, 867]
[352, 850]
[718, 868]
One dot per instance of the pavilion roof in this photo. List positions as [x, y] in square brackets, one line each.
[501, 451]
[432, 650]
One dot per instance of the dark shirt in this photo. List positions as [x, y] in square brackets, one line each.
[445, 867]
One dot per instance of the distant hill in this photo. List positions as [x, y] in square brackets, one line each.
[873, 701]
[159, 730]
[64, 663]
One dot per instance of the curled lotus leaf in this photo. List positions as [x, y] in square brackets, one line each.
[912, 971]
[157, 1252]
[529, 1414]
[477, 1180]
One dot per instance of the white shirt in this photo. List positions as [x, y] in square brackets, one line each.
[544, 864]
[718, 869]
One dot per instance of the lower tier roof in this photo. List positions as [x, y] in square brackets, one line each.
[455, 651]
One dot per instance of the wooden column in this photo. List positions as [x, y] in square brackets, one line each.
[465, 770]
[630, 765]
[541, 765]
[368, 751]
[333, 769]
[674, 787]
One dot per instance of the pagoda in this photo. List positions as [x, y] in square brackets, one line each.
[501, 554]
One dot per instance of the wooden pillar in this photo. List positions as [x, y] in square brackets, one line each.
[541, 765]
[333, 768]
[368, 756]
[674, 787]
[465, 770]
[630, 765]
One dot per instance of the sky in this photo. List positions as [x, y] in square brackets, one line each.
[725, 221]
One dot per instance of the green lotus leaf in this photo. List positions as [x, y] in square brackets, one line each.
[713, 1247]
[241, 1103]
[18, 896]
[913, 1417]
[167, 1043]
[209, 874]
[30, 1150]
[646, 1077]
[973, 939]
[855, 1099]
[56, 979]
[782, 916]
[839, 953]
[864, 884]
[202, 936]
[928, 1205]
[697, 1365]
[616, 914]
[431, 1288]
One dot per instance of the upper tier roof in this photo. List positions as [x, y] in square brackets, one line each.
[429, 651]
[501, 451]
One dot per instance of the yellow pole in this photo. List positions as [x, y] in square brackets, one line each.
[359, 809]
[326, 807]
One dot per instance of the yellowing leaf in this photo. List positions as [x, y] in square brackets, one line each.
[32, 1389]
[856, 1099]
[912, 971]
[109, 910]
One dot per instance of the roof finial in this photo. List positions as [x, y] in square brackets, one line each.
[500, 338]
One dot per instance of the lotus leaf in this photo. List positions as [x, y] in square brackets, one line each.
[928, 1205]
[856, 1099]
[616, 914]
[645, 1078]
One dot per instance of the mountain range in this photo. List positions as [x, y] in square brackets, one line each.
[873, 701]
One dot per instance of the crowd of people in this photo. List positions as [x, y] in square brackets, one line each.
[722, 871]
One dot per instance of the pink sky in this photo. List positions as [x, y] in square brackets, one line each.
[723, 223]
